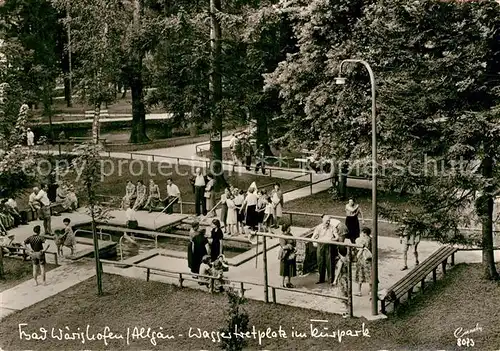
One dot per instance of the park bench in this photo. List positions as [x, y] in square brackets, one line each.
[417, 275]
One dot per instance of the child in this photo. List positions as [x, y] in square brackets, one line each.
[205, 270]
[60, 239]
[219, 266]
[364, 259]
[70, 240]
[268, 215]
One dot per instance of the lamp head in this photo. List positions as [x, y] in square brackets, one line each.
[340, 80]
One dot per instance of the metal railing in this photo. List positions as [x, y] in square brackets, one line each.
[100, 233]
[23, 249]
[186, 276]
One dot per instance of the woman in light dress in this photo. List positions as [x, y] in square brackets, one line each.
[277, 200]
[232, 216]
[210, 195]
[364, 259]
[223, 213]
[238, 198]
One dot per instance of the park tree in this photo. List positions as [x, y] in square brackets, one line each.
[438, 95]
[33, 49]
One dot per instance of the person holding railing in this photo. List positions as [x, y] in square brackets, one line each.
[353, 210]
[287, 257]
[224, 208]
[154, 196]
[199, 193]
[325, 253]
[173, 196]
[342, 275]
[364, 259]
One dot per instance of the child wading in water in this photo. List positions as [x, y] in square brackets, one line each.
[364, 259]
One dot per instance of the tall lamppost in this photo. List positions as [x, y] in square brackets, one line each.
[374, 279]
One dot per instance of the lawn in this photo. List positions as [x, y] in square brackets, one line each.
[18, 271]
[460, 300]
[324, 202]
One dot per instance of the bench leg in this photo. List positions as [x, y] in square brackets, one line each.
[409, 294]
[434, 278]
[422, 284]
[181, 280]
[147, 274]
[274, 294]
[382, 306]
[453, 259]
[396, 304]
[443, 266]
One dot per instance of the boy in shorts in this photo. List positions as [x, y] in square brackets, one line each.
[37, 253]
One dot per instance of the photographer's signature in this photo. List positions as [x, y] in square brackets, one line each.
[464, 338]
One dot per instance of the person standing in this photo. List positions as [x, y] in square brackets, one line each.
[34, 204]
[173, 196]
[210, 195]
[232, 216]
[131, 218]
[261, 159]
[129, 195]
[364, 259]
[342, 275]
[239, 198]
[324, 252]
[407, 239]
[224, 208]
[30, 138]
[199, 193]
[154, 196]
[199, 248]
[37, 253]
[44, 202]
[215, 241]
[250, 208]
[232, 146]
[352, 211]
[288, 260]
[277, 200]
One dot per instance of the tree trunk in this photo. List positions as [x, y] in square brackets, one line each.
[138, 134]
[487, 224]
[216, 167]
[263, 131]
[95, 123]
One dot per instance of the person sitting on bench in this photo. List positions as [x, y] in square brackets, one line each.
[154, 196]
[129, 195]
[173, 196]
[141, 199]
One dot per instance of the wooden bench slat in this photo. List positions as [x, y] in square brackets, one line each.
[426, 267]
[421, 271]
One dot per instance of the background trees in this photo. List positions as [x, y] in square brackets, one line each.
[437, 89]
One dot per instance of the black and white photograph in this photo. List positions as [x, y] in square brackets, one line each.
[249, 175]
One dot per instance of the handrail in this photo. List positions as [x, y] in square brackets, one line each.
[301, 238]
[90, 232]
[25, 249]
[212, 279]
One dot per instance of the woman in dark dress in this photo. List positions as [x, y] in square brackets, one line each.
[352, 211]
[197, 248]
[288, 261]
[215, 240]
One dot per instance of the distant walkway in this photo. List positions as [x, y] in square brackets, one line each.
[108, 118]
[59, 279]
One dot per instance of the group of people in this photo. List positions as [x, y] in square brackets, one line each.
[138, 196]
[10, 217]
[242, 152]
[205, 253]
[254, 209]
[41, 204]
